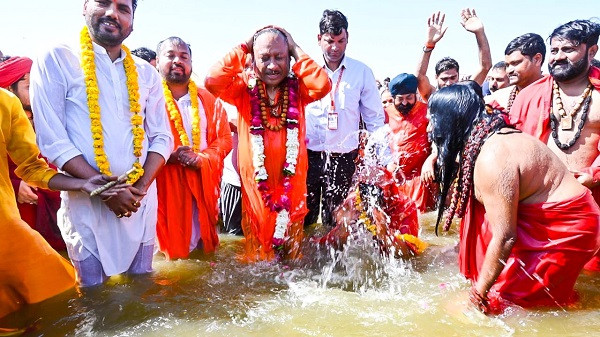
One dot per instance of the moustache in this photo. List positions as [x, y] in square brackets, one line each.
[559, 63]
[109, 20]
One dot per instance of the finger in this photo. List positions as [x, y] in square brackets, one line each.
[137, 192]
[473, 12]
[442, 19]
[443, 31]
[109, 178]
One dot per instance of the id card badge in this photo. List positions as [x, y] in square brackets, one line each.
[332, 121]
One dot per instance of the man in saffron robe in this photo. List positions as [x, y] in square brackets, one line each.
[524, 57]
[528, 226]
[30, 270]
[271, 139]
[409, 141]
[37, 207]
[563, 109]
[98, 83]
[188, 186]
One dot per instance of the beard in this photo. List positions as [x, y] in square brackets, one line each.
[178, 78]
[569, 70]
[404, 109]
[107, 38]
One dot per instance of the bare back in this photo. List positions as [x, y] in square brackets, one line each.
[520, 162]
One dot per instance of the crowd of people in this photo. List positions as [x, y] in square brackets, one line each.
[152, 161]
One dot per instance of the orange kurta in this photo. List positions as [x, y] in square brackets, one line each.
[177, 186]
[30, 270]
[228, 80]
[531, 114]
[410, 147]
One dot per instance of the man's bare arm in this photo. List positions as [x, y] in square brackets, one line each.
[435, 32]
[472, 23]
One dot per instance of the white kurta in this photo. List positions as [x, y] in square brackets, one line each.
[59, 99]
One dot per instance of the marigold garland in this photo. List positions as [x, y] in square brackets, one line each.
[363, 217]
[288, 122]
[88, 66]
[416, 245]
[175, 115]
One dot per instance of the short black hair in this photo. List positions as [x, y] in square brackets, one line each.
[332, 22]
[175, 40]
[144, 53]
[446, 63]
[500, 65]
[595, 63]
[528, 44]
[578, 31]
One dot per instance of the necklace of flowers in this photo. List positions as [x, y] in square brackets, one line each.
[91, 88]
[259, 121]
[363, 217]
[175, 115]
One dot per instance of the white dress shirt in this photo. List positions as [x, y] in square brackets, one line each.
[356, 96]
[59, 99]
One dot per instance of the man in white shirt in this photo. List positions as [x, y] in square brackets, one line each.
[104, 237]
[333, 123]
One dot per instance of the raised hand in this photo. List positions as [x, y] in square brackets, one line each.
[435, 28]
[470, 21]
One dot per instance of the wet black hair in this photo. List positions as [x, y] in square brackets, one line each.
[455, 111]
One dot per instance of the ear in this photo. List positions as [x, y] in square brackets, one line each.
[85, 3]
[319, 36]
[537, 59]
[592, 51]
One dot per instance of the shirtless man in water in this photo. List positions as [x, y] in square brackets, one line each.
[515, 221]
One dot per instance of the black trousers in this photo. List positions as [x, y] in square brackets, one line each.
[230, 205]
[328, 180]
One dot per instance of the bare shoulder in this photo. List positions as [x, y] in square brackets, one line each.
[498, 154]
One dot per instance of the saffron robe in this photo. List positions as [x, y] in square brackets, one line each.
[228, 81]
[30, 270]
[531, 114]
[554, 241]
[410, 147]
[177, 186]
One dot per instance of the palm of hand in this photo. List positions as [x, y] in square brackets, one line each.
[435, 33]
[472, 24]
